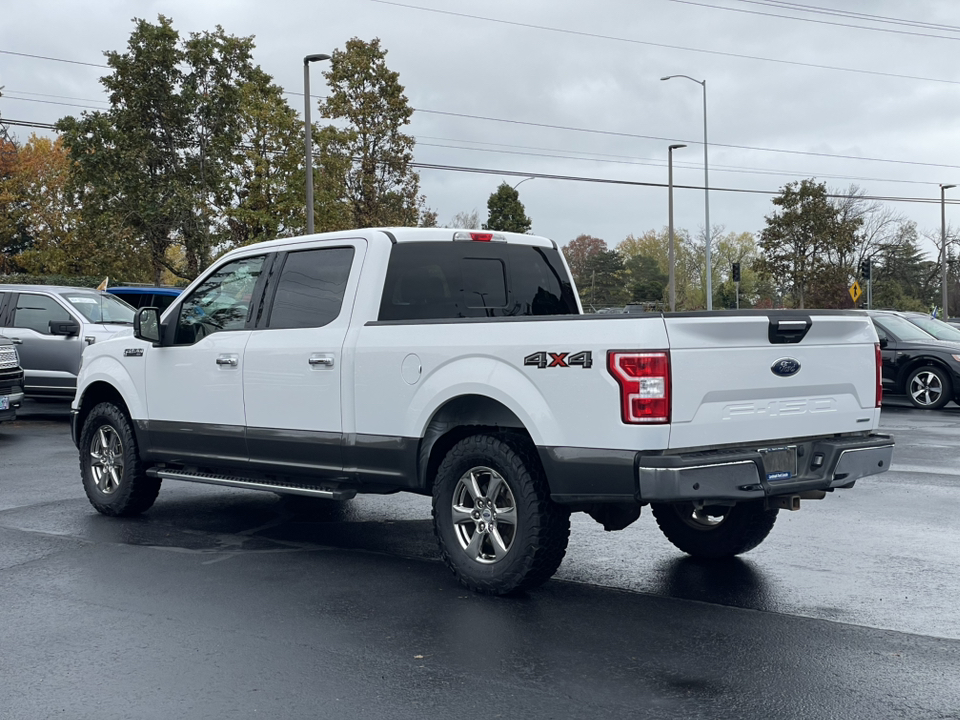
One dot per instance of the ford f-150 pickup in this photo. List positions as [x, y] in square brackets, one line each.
[459, 364]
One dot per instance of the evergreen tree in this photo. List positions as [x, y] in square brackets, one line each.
[505, 211]
[366, 164]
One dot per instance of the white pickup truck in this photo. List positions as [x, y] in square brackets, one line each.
[458, 364]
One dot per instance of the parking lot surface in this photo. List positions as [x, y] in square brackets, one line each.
[229, 603]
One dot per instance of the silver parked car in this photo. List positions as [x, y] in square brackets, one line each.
[51, 326]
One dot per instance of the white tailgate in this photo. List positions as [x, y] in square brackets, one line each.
[725, 392]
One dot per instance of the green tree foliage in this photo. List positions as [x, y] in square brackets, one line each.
[801, 243]
[598, 272]
[579, 253]
[154, 169]
[365, 161]
[647, 267]
[505, 211]
[265, 180]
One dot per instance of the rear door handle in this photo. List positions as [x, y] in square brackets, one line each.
[318, 359]
[230, 360]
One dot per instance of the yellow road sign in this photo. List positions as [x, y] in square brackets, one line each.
[855, 291]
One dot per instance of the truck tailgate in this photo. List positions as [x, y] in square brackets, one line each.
[728, 386]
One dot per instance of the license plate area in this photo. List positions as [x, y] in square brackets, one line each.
[4, 402]
[779, 463]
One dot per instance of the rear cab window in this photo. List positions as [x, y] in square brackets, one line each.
[448, 280]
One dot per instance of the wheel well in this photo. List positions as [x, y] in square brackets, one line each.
[95, 394]
[918, 363]
[458, 418]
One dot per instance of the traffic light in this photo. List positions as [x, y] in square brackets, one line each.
[865, 269]
[736, 272]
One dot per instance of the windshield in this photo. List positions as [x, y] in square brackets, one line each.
[938, 328]
[99, 307]
[902, 328]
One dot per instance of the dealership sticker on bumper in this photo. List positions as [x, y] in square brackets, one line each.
[4, 402]
[779, 463]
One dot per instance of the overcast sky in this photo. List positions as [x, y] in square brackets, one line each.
[553, 87]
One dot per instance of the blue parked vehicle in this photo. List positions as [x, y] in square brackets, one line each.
[146, 296]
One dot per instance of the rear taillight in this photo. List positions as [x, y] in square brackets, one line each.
[879, 374]
[644, 379]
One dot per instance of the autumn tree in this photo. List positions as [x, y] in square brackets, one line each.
[801, 237]
[579, 252]
[38, 218]
[505, 211]
[365, 160]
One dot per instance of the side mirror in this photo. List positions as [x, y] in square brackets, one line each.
[146, 325]
[64, 327]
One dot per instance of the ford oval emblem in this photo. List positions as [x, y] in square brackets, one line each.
[785, 367]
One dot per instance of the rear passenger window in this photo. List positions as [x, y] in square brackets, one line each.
[311, 288]
[446, 280]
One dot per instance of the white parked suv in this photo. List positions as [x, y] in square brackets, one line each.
[459, 364]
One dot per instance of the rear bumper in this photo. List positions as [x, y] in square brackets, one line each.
[731, 474]
[740, 474]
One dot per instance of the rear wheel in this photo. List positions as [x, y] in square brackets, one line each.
[928, 387]
[498, 530]
[715, 531]
[113, 476]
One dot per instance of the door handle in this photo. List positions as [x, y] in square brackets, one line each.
[325, 360]
[230, 360]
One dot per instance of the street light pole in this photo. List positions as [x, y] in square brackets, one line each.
[943, 247]
[706, 186]
[523, 181]
[307, 134]
[672, 259]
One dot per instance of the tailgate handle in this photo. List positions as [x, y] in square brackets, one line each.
[782, 331]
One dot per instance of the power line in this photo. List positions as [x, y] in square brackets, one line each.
[598, 36]
[655, 162]
[837, 12]
[50, 102]
[810, 20]
[605, 181]
[638, 183]
[578, 129]
[46, 57]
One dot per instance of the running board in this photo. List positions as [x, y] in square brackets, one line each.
[277, 486]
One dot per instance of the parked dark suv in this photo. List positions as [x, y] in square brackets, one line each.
[915, 363]
[11, 380]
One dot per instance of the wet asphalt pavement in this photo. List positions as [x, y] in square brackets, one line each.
[222, 603]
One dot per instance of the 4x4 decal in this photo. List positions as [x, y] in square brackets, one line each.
[545, 359]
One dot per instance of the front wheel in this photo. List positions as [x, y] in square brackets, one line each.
[113, 476]
[498, 530]
[715, 531]
[928, 387]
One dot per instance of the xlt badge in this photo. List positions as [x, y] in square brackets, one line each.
[133, 352]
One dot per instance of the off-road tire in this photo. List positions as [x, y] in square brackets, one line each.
[135, 492]
[929, 388]
[740, 528]
[541, 530]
